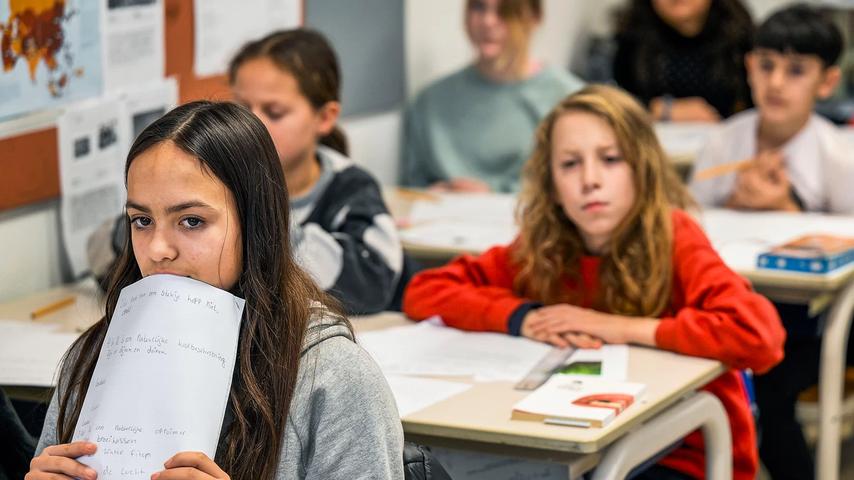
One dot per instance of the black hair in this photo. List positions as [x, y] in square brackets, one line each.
[234, 146]
[801, 29]
[307, 55]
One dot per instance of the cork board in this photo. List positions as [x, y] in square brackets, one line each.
[29, 163]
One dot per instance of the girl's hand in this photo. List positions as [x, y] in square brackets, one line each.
[688, 109]
[533, 326]
[190, 465]
[59, 461]
[564, 320]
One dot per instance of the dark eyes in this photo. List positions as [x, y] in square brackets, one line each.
[192, 222]
[795, 69]
[141, 222]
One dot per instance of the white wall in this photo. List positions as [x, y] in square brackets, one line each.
[29, 250]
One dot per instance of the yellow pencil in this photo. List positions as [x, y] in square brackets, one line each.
[52, 307]
[413, 195]
[723, 169]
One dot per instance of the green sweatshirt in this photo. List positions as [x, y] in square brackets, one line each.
[468, 126]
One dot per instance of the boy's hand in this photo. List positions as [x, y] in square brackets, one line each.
[190, 465]
[764, 185]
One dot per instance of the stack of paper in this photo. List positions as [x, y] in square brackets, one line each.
[429, 349]
[30, 352]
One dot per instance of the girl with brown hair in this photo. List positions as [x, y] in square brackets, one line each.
[207, 199]
[342, 233]
[606, 255]
[471, 131]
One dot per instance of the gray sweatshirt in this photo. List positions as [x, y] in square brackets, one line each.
[343, 422]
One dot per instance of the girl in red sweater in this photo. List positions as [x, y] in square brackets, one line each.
[605, 255]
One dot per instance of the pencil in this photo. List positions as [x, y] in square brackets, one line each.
[52, 307]
[723, 169]
[413, 195]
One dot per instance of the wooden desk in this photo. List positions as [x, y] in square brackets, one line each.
[479, 418]
[87, 309]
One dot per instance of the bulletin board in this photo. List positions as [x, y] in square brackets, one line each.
[367, 35]
[29, 163]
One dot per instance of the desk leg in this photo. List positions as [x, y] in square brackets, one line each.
[702, 410]
[834, 342]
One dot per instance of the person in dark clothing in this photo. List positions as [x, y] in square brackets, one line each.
[19, 445]
[685, 60]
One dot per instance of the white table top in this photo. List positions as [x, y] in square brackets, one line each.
[482, 413]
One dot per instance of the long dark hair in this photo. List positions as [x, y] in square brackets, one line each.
[307, 55]
[729, 29]
[235, 147]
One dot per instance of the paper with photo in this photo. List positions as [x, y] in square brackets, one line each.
[30, 352]
[430, 349]
[143, 104]
[612, 360]
[163, 376]
[221, 27]
[92, 147]
[133, 42]
[416, 393]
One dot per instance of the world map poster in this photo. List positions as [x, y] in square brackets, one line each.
[51, 53]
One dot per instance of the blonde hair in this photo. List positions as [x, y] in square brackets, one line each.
[636, 270]
[521, 18]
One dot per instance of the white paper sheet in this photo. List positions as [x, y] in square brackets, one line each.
[739, 237]
[222, 26]
[163, 375]
[92, 147]
[30, 352]
[684, 138]
[428, 349]
[459, 236]
[133, 42]
[416, 393]
[466, 222]
[465, 207]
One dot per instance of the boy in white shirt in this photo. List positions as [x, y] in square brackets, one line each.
[798, 161]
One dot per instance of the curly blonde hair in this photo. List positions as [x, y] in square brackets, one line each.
[636, 270]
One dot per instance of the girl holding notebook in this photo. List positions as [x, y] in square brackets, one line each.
[606, 255]
[207, 199]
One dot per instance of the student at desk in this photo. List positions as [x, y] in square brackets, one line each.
[342, 232]
[471, 131]
[683, 59]
[797, 161]
[207, 199]
[605, 255]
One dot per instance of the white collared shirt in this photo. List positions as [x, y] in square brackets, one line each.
[819, 161]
